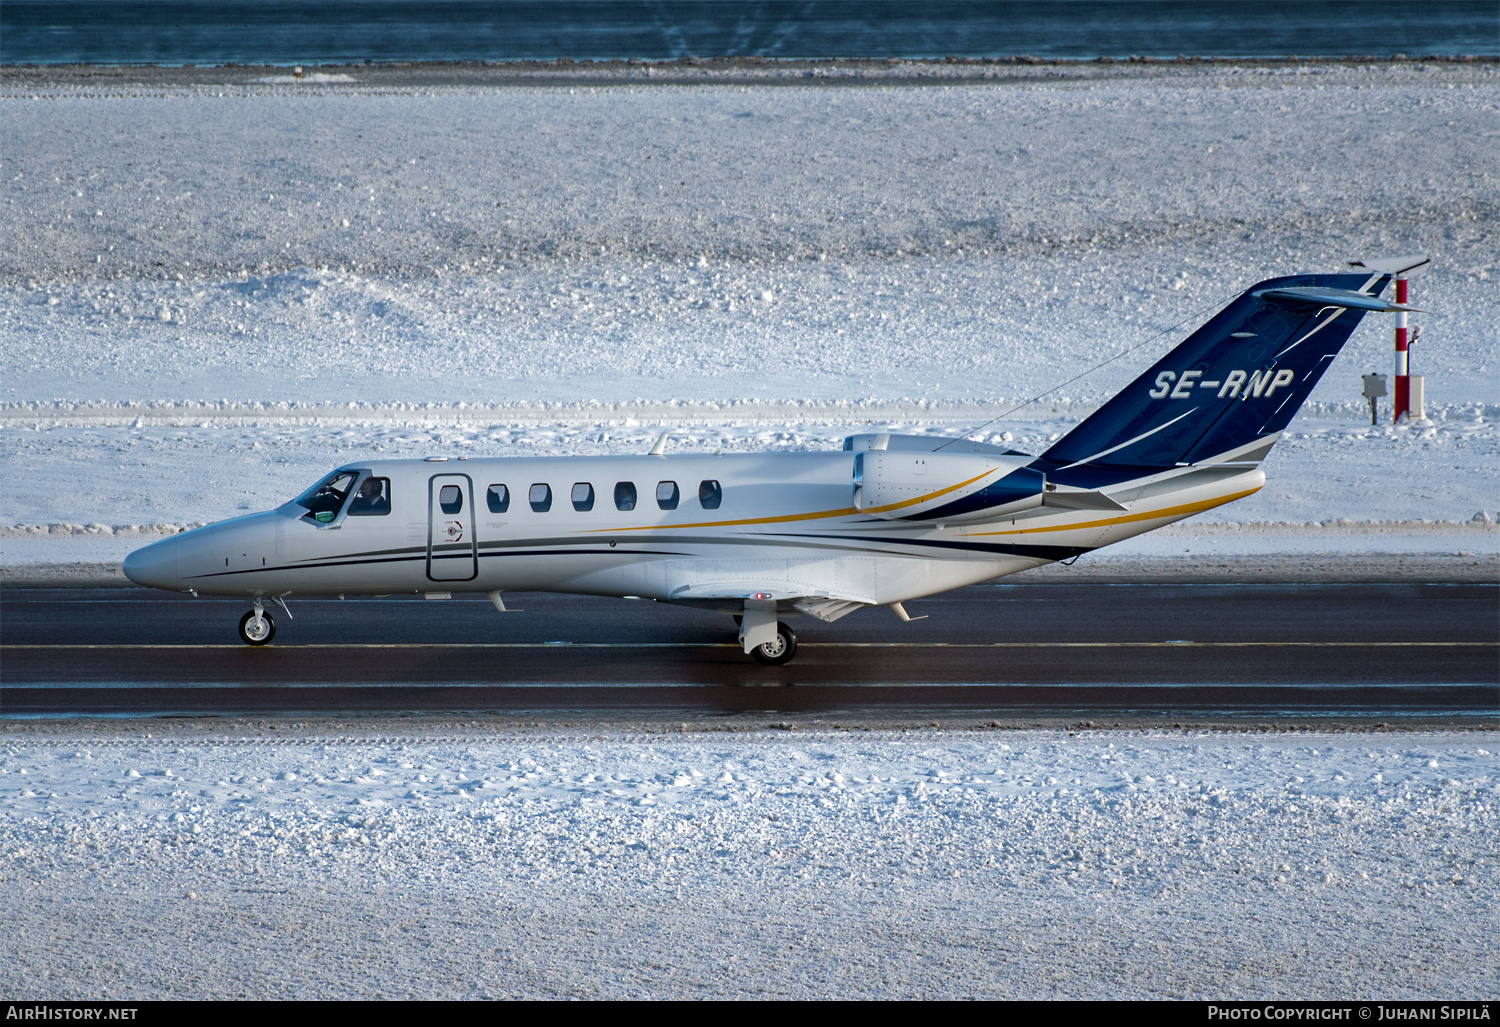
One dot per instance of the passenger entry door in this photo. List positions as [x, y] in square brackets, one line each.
[452, 549]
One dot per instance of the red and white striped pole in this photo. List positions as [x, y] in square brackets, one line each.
[1399, 268]
[1402, 399]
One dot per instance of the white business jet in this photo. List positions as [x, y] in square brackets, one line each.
[767, 536]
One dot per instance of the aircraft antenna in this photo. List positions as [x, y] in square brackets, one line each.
[1042, 395]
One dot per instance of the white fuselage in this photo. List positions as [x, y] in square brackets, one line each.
[784, 526]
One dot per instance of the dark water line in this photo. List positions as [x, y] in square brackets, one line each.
[175, 32]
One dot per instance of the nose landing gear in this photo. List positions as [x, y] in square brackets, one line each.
[257, 627]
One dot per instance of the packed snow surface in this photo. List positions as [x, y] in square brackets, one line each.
[209, 294]
[1097, 864]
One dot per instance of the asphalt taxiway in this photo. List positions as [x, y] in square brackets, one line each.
[1362, 651]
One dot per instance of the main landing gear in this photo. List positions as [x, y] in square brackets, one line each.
[768, 641]
[778, 650]
[257, 627]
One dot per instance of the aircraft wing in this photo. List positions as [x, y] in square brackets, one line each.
[823, 605]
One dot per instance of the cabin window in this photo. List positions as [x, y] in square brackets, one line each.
[541, 498]
[451, 499]
[325, 499]
[667, 495]
[498, 498]
[624, 495]
[710, 494]
[373, 498]
[583, 496]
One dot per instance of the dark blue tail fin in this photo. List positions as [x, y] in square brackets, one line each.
[1239, 378]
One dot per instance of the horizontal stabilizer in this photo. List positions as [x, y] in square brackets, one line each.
[1080, 500]
[1319, 296]
[1403, 265]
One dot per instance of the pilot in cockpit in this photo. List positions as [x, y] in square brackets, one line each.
[371, 499]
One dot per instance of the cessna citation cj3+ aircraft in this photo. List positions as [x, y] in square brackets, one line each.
[766, 536]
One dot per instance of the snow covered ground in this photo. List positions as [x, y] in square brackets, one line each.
[198, 280]
[312, 861]
[211, 293]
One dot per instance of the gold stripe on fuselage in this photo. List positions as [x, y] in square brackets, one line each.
[1147, 515]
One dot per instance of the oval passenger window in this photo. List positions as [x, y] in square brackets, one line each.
[583, 496]
[541, 498]
[451, 499]
[624, 495]
[710, 494]
[498, 498]
[667, 495]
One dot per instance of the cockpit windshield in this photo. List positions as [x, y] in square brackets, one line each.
[325, 499]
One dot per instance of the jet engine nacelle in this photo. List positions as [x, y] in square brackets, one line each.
[903, 485]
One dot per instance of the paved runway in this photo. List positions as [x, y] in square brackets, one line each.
[1395, 651]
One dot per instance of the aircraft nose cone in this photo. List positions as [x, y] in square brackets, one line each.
[155, 565]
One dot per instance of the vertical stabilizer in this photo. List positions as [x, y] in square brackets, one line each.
[1229, 388]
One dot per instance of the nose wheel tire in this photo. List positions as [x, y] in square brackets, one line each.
[257, 629]
[778, 651]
